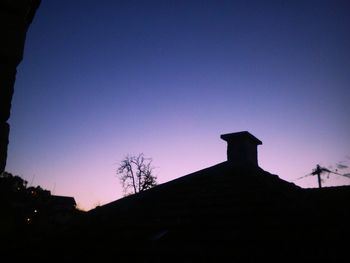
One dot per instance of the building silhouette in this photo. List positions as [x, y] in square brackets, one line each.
[16, 17]
[232, 211]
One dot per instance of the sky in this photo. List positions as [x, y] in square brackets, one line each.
[103, 79]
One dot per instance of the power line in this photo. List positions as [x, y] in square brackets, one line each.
[320, 170]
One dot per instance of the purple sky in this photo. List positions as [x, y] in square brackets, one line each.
[102, 79]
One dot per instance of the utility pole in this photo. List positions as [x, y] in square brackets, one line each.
[318, 172]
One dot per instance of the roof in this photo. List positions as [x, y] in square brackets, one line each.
[58, 200]
[220, 212]
[225, 212]
[222, 203]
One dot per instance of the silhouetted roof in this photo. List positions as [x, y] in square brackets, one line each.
[62, 201]
[222, 202]
[225, 212]
[201, 215]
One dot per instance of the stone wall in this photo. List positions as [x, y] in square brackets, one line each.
[15, 18]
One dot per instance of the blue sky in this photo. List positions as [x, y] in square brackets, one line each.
[102, 79]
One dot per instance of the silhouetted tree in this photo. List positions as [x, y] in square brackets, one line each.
[136, 173]
[11, 185]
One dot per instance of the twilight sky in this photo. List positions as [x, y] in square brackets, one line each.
[102, 79]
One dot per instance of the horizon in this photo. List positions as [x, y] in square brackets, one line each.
[103, 79]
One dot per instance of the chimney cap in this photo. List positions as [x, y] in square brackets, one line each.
[238, 136]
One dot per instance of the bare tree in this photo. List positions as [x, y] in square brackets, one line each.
[136, 174]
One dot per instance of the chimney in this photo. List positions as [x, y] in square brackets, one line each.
[242, 148]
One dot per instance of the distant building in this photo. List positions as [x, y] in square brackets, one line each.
[61, 208]
[62, 203]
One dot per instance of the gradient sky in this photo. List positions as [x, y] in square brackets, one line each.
[102, 79]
